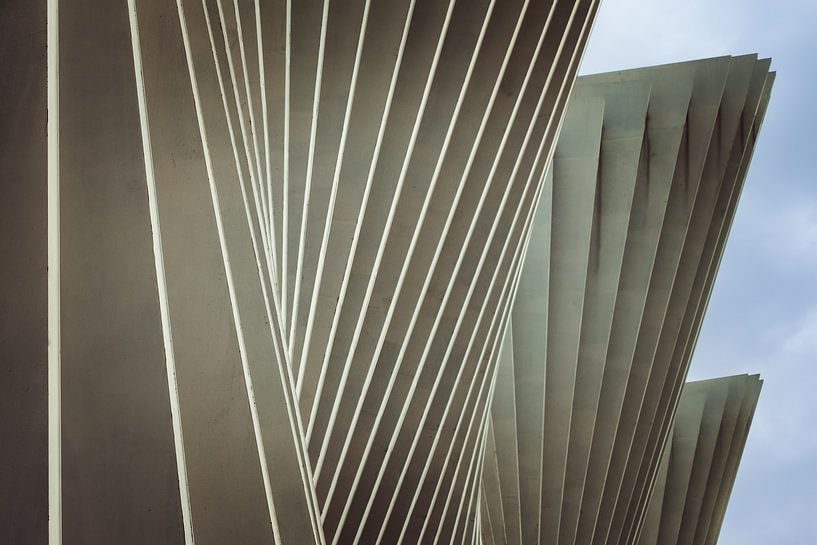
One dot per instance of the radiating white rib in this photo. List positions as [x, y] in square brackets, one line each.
[284, 370]
[264, 215]
[478, 513]
[478, 457]
[470, 516]
[359, 224]
[258, 262]
[280, 355]
[262, 81]
[327, 228]
[260, 175]
[397, 292]
[53, 276]
[161, 280]
[262, 219]
[383, 240]
[512, 277]
[285, 204]
[310, 165]
[481, 357]
[285, 367]
[228, 269]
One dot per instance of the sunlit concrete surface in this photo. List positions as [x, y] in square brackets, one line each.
[624, 249]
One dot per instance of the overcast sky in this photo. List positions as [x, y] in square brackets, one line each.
[763, 314]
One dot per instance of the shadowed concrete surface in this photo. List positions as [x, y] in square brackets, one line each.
[625, 246]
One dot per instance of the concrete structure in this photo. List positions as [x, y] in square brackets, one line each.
[258, 256]
[625, 246]
[700, 462]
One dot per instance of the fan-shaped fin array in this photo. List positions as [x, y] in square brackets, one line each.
[624, 248]
[281, 244]
[700, 461]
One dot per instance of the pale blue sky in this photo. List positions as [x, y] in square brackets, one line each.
[763, 314]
